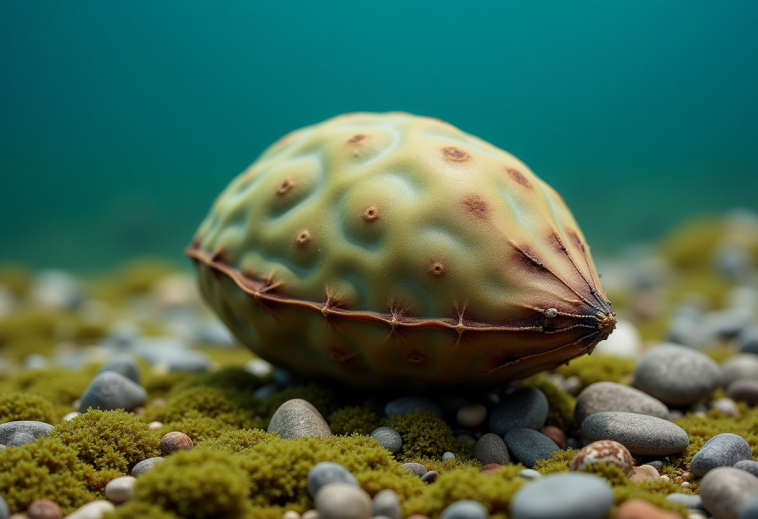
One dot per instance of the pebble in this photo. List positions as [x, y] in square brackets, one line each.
[110, 391]
[123, 364]
[471, 415]
[750, 510]
[568, 495]
[388, 438]
[291, 514]
[641, 509]
[676, 375]
[624, 342]
[744, 365]
[213, 332]
[609, 396]
[123, 334]
[416, 468]
[44, 509]
[343, 501]
[175, 441]
[604, 451]
[430, 477]
[529, 474]
[643, 435]
[525, 408]
[448, 456]
[70, 416]
[155, 426]
[491, 448]
[56, 290]
[747, 340]
[528, 446]
[555, 434]
[726, 406]
[725, 490]
[688, 500]
[13, 434]
[410, 404]
[310, 514]
[748, 466]
[656, 464]
[119, 490]
[386, 503]
[744, 390]
[4, 510]
[723, 450]
[325, 473]
[92, 510]
[297, 418]
[465, 509]
[573, 385]
[489, 469]
[644, 473]
[145, 465]
[259, 367]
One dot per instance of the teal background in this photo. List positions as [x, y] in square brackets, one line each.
[120, 121]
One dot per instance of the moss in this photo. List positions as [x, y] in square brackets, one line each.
[15, 277]
[24, 406]
[560, 404]
[233, 381]
[236, 441]
[721, 353]
[688, 246]
[598, 368]
[354, 419]
[132, 509]
[201, 427]
[28, 331]
[162, 385]
[196, 485]
[609, 472]
[426, 436]
[446, 466]
[558, 462]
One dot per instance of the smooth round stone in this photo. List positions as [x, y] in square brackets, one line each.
[525, 408]
[750, 510]
[643, 435]
[119, 490]
[415, 468]
[430, 477]
[726, 490]
[644, 473]
[603, 451]
[641, 509]
[448, 456]
[491, 448]
[92, 510]
[4, 510]
[489, 469]
[296, 418]
[529, 446]
[568, 495]
[291, 514]
[110, 391]
[145, 465]
[723, 450]
[726, 406]
[656, 464]
[259, 367]
[625, 342]
[608, 396]
[677, 375]
[175, 441]
[13, 434]
[744, 365]
[471, 415]
[747, 340]
[326, 472]
[70, 416]
[465, 509]
[388, 438]
[529, 474]
[748, 466]
[125, 365]
[343, 501]
[44, 509]
[409, 404]
[387, 504]
[555, 434]
[744, 390]
[688, 500]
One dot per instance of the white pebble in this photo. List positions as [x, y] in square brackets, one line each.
[665, 478]
[311, 514]
[70, 416]
[343, 501]
[448, 456]
[119, 490]
[155, 426]
[92, 510]
[291, 514]
[624, 342]
[471, 415]
[259, 367]
[685, 484]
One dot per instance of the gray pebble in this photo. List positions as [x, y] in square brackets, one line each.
[409, 404]
[726, 406]
[387, 504]
[465, 509]
[723, 450]
[4, 510]
[119, 490]
[744, 390]
[744, 365]
[145, 465]
[343, 501]
[609, 396]
[491, 449]
[125, 365]
[568, 495]
[748, 466]
[656, 464]
[296, 418]
[528, 446]
[529, 474]
[388, 438]
[416, 468]
[643, 435]
[448, 456]
[688, 500]
[677, 375]
[325, 473]
[750, 510]
[525, 408]
[430, 477]
[111, 390]
[725, 490]
[13, 434]
[747, 340]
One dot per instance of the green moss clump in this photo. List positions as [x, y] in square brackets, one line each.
[609, 472]
[132, 509]
[200, 427]
[557, 462]
[24, 406]
[234, 382]
[163, 384]
[598, 368]
[196, 485]
[237, 441]
[426, 436]
[446, 466]
[560, 404]
[354, 419]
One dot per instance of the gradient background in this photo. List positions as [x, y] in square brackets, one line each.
[120, 121]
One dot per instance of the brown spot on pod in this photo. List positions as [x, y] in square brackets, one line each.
[371, 213]
[285, 186]
[303, 238]
[518, 177]
[437, 268]
[455, 154]
[356, 138]
[475, 205]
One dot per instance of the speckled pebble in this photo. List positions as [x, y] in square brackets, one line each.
[44, 509]
[688, 500]
[465, 509]
[119, 490]
[175, 441]
[525, 408]
[13, 434]
[723, 450]
[643, 435]
[609, 396]
[110, 390]
[448, 456]
[529, 474]
[725, 490]
[491, 448]
[92, 510]
[416, 468]
[296, 418]
[388, 438]
[430, 477]
[528, 446]
[386, 503]
[677, 375]
[471, 415]
[744, 390]
[568, 495]
[325, 473]
[123, 364]
[603, 451]
[748, 466]
[145, 465]
[343, 501]
[410, 404]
